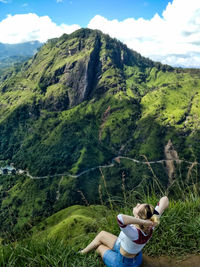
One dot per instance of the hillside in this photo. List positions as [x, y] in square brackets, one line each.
[86, 104]
[82, 87]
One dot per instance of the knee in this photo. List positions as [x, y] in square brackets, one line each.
[103, 236]
[102, 233]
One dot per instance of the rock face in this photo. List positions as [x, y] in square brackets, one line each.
[171, 156]
[81, 76]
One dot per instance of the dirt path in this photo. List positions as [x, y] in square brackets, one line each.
[190, 261]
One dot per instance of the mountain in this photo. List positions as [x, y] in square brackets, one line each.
[83, 116]
[16, 53]
[68, 103]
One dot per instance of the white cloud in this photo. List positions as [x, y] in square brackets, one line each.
[59, 1]
[173, 38]
[4, 1]
[29, 27]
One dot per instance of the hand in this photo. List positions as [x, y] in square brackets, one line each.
[148, 223]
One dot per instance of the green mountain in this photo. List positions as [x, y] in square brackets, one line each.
[68, 103]
[82, 101]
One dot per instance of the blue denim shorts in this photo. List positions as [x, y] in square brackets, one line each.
[113, 258]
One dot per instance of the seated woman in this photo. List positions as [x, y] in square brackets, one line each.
[126, 249]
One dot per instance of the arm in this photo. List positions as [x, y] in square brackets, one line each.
[162, 205]
[133, 220]
[126, 224]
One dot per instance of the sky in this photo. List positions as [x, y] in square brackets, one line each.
[163, 30]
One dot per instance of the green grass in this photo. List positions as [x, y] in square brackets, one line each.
[178, 233]
[71, 224]
[47, 253]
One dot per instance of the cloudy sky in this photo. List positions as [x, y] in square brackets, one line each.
[163, 30]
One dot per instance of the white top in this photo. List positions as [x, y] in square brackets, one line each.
[132, 239]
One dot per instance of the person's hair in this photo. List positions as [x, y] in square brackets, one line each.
[148, 213]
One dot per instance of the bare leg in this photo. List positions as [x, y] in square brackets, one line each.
[103, 238]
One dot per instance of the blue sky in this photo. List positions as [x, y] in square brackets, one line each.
[163, 30]
[82, 11]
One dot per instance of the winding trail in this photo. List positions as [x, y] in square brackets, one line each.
[115, 159]
[114, 162]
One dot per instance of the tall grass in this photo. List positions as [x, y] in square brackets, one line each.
[49, 254]
[106, 189]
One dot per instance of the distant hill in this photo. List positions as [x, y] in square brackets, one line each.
[16, 53]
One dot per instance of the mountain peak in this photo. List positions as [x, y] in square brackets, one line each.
[84, 64]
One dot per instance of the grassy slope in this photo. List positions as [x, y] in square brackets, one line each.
[177, 234]
[56, 240]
